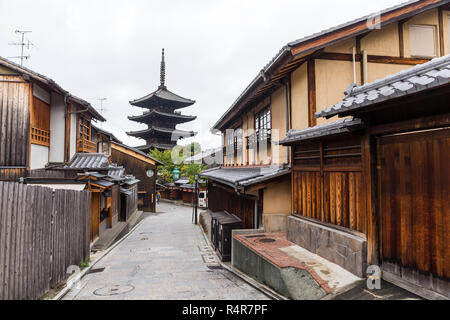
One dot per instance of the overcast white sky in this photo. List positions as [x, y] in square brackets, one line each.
[214, 49]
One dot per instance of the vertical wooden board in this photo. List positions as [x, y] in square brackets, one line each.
[308, 194]
[352, 201]
[345, 201]
[420, 206]
[326, 197]
[339, 199]
[405, 194]
[18, 256]
[13, 240]
[304, 195]
[313, 195]
[3, 216]
[438, 152]
[299, 193]
[9, 222]
[333, 198]
[360, 212]
[445, 208]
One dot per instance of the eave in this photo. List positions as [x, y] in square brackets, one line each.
[161, 131]
[295, 53]
[173, 117]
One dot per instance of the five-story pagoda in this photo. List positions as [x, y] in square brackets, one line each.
[161, 117]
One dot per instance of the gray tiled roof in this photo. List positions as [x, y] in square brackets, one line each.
[89, 161]
[340, 126]
[419, 78]
[163, 94]
[245, 176]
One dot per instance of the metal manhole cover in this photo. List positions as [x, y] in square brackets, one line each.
[113, 290]
[268, 240]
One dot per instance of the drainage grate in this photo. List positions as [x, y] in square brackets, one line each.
[214, 267]
[268, 240]
[209, 258]
[113, 290]
[97, 270]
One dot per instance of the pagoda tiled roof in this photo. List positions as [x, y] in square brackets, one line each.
[175, 117]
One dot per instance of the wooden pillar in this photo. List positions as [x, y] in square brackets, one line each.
[369, 176]
[312, 93]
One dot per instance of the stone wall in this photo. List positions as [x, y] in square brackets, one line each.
[345, 249]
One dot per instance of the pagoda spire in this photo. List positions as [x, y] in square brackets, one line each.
[163, 72]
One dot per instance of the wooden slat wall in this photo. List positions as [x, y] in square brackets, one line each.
[14, 121]
[42, 233]
[414, 206]
[221, 200]
[326, 183]
[139, 168]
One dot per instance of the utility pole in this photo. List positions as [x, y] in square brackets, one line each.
[22, 44]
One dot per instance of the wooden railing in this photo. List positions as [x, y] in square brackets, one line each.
[86, 146]
[40, 136]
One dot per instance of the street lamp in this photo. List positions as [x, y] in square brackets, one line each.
[176, 174]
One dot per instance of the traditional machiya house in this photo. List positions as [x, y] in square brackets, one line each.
[143, 167]
[161, 117]
[47, 138]
[372, 189]
[305, 77]
[41, 123]
[103, 140]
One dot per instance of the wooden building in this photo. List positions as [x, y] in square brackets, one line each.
[41, 123]
[143, 167]
[161, 117]
[381, 177]
[305, 77]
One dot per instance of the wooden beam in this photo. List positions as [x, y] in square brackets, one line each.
[371, 58]
[438, 121]
[441, 32]
[132, 153]
[312, 101]
[401, 42]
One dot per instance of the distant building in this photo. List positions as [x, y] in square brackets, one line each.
[161, 117]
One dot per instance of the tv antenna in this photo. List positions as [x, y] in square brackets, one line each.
[25, 43]
[102, 110]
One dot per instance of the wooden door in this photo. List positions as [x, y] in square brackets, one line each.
[95, 215]
[414, 213]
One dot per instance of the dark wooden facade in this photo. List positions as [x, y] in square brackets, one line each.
[390, 182]
[327, 181]
[138, 164]
[224, 199]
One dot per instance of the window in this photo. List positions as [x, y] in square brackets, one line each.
[84, 130]
[263, 124]
[423, 41]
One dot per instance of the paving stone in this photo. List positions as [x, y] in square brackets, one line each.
[167, 265]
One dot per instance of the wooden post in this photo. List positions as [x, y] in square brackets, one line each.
[369, 176]
[312, 92]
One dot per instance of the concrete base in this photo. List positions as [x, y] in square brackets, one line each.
[275, 222]
[291, 282]
[344, 249]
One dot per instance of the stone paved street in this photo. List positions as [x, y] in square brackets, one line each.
[166, 257]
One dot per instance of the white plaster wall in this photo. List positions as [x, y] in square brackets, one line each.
[73, 135]
[57, 127]
[41, 94]
[38, 156]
